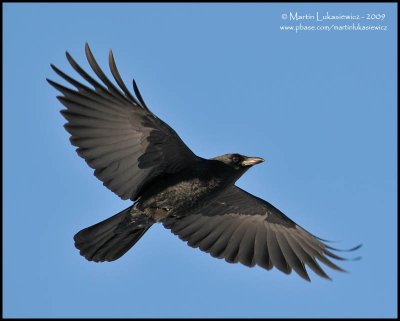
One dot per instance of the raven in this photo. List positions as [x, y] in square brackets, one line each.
[140, 157]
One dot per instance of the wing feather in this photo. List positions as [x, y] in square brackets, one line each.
[118, 136]
[240, 227]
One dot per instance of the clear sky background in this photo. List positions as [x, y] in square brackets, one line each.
[319, 106]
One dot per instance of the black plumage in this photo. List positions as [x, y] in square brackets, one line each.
[139, 157]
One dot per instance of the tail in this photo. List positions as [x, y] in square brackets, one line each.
[104, 241]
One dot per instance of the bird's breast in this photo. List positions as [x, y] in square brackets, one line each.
[178, 196]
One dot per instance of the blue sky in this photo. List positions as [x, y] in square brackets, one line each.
[319, 106]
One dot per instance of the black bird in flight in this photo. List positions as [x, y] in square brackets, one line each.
[140, 157]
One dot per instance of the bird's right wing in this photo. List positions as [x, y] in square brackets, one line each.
[241, 227]
[118, 136]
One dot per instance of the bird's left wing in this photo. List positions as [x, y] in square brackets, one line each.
[240, 227]
[119, 137]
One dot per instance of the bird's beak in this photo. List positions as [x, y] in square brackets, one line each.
[250, 161]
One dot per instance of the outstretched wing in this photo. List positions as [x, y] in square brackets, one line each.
[240, 227]
[117, 135]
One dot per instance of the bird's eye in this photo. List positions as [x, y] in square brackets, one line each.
[235, 159]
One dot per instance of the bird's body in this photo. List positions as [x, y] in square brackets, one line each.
[139, 157]
[172, 195]
[188, 189]
[183, 190]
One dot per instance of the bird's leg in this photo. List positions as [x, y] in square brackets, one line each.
[135, 219]
[157, 214]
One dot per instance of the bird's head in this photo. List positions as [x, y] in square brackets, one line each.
[238, 162]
